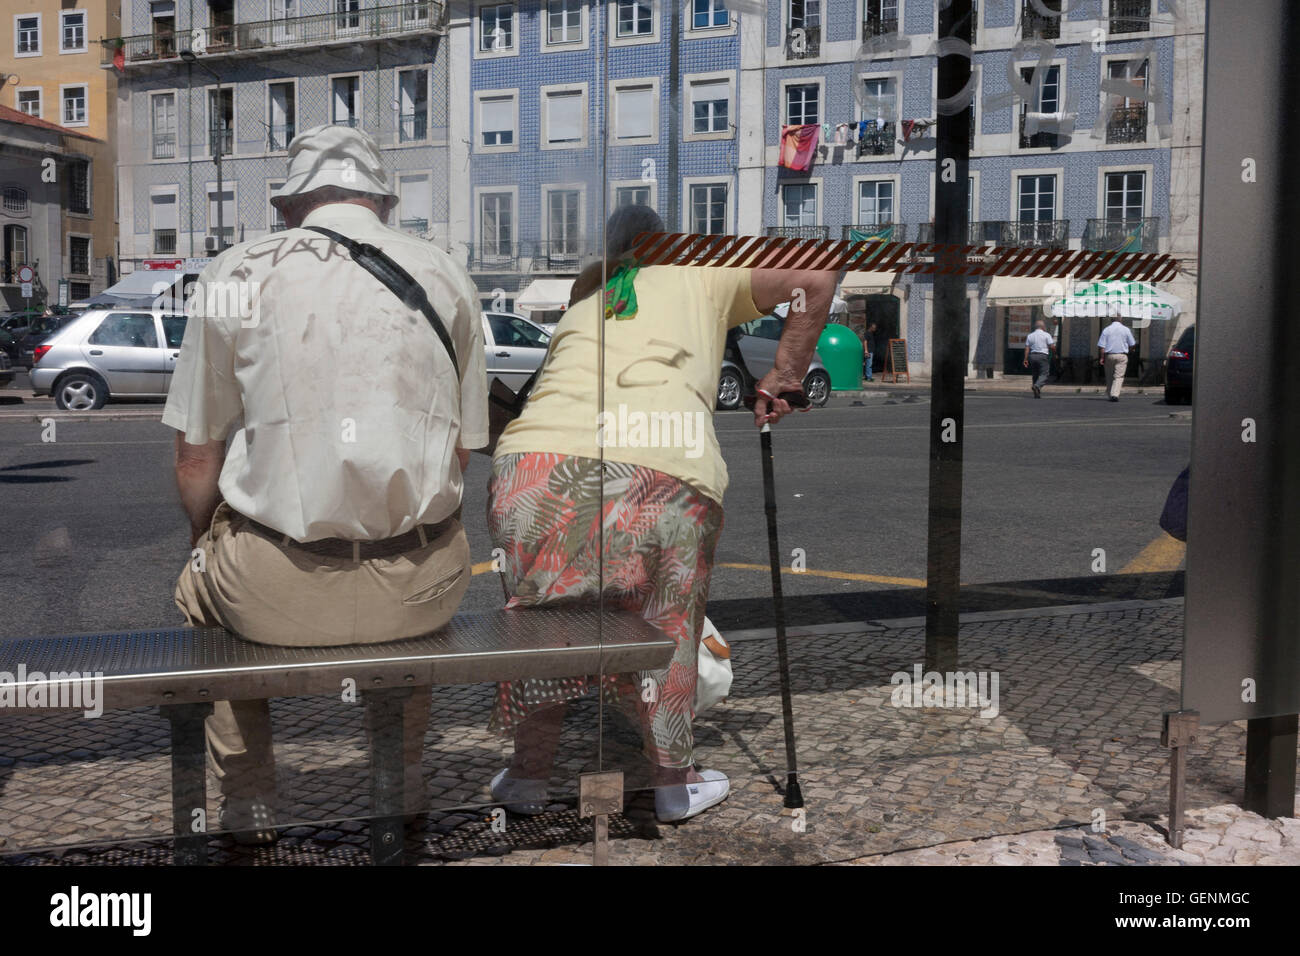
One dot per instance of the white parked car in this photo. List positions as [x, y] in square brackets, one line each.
[513, 346]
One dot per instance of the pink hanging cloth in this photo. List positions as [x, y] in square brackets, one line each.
[798, 144]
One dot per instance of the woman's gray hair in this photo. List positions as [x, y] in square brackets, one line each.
[625, 225]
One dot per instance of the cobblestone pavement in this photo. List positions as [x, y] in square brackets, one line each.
[1074, 742]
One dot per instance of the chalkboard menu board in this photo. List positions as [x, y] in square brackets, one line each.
[897, 360]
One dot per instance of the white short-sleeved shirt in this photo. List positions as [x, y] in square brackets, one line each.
[1040, 341]
[343, 403]
[1116, 338]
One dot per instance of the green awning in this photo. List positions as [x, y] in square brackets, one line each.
[1133, 300]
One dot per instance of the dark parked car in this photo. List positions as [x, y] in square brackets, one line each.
[1178, 369]
[757, 340]
[40, 329]
[6, 370]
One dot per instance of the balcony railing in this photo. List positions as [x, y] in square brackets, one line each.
[494, 257]
[1127, 124]
[1035, 26]
[1122, 235]
[412, 127]
[164, 146]
[1130, 16]
[352, 121]
[559, 255]
[1042, 139]
[810, 44]
[881, 231]
[278, 137]
[800, 232]
[418, 226]
[1039, 234]
[977, 233]
[878, 27]
[418, 16]
[876, 142]
[221, 139]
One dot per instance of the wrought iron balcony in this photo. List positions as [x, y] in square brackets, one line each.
[878, 27]
[977, 233]
[876, 142]
[800, 232]
[413, 17]
[1127, 124]
[883, 231]
[221, 139]
[1130, 16]
[798, 47]
[560, 255]
[1035, 26]
[494, 257]
[278, 137]
[1042, 139]
[1038, 234]
[164, 145]
[1122, 235]
[351, 121]
[414, 225]
[412, 127]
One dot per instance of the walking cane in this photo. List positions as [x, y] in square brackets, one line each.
[793, 795]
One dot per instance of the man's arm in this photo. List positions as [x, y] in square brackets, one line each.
[798, 343]
[197, 469]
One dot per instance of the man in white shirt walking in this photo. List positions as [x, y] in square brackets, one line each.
[322, 430]
[1113, 344]
[1038, 355]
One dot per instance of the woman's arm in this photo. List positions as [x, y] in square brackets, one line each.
[798, 343]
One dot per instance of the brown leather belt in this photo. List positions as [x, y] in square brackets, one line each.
[412, 540]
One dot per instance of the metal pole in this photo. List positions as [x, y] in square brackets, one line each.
[675, 111]
[949, 350]
[221, 193]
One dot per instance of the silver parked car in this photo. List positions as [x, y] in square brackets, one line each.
[513, 346]
[758, 340]
[106, 353]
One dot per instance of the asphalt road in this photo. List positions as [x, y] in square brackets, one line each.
[93, 536]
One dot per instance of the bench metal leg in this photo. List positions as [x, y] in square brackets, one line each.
[387, 775]
[189, 783]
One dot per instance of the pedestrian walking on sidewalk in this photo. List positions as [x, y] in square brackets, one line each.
[869, 350]
[1038, 355]
[1113, 344]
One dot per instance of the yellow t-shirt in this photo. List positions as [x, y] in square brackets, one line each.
[661, 377]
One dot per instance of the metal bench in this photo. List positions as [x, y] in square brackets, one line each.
[182, 670]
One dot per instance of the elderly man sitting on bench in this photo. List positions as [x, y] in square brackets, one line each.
[322, 429]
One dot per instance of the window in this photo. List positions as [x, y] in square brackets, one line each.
[221, 121]
[876, 202]
[276, 217]
[413, 105]
[414, 201]
[73, 31]
[78, 291]
[805, 16]
[15, 251]
[497, 28]
[497, 120]
[497, 224]
[163, 15]
[802, 104]
[349, 14]
[635, 19]
[563, 21]
[221, 16]
[174, 330]
[164, 219]
[1125, 195]
[76, 181]
[632, 196]
[1037, 198]
[346, 101]
[221, 215]
[27, 35]
[710, 106]
[1127, 122]
[164, 126]
[79, 255]
[74, 105]
[799, 204]
[15, 200]
[708, 208]
[1130, 16]
[129, 330]
[1048, 104]
[879, 18]
[635, 113]
[562, 222]
[282, 116]
[879, 113]
[415, 11]
[283, 13]
[29, 102]
[1034, 25]
[707, 14]
[565, 124]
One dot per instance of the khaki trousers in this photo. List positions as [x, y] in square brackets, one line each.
[272, 593]
[1116, 366]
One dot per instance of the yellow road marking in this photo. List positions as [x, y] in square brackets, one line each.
[838, 575]
[1165, 553]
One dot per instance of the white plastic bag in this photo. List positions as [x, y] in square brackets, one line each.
[714, 662]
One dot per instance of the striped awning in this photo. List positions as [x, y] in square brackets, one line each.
[1024, 290]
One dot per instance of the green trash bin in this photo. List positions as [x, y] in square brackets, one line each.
[841, 352]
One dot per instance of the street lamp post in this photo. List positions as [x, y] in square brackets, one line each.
[189, 57]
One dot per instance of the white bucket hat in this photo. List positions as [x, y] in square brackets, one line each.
[333, 156]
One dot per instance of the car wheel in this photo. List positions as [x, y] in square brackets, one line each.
[80, 391]
[730, 389]
[817, 386]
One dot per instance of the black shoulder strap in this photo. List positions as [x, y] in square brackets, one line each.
[398, 280]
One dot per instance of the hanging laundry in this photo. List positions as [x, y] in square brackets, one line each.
[862, 130]
[798, 144]
[826, 132]
[907, 129]
[842, 134]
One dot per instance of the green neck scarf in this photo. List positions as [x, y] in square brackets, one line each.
[620, 296]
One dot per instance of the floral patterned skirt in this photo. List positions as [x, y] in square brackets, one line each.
[546, 512]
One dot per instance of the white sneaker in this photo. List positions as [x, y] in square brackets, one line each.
[686, 800]
[525, 797]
